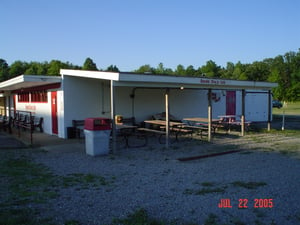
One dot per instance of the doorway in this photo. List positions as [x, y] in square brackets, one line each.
[230, 103]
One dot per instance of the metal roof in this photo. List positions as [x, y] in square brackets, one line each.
[136, 80]
[28, 81]
[169, 81]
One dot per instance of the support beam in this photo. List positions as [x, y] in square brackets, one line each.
[269, 109]
[243, 113]
[209, 111]
[167, 118]
[112, 111]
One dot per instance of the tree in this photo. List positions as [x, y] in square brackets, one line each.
[211, 69]
[145, 69]
[89, 65]
[228, 71]
[180, 70]
[112, 68]
[54, 67]
[36, 68]
[17, 68]
[239, 71]
[162, 70]
[190, 71]
[3, 70]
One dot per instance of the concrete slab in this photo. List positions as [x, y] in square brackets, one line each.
[7, 142]
[40, 140]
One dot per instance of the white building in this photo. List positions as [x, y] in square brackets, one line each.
[78, 94]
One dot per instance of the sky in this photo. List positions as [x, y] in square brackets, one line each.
[132, 33]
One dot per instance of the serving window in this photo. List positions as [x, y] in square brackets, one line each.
[39, 96]
[23, 97]
[34, 96]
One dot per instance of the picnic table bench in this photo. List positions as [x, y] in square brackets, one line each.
[176, 129]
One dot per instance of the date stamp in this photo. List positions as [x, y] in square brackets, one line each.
[244, 203]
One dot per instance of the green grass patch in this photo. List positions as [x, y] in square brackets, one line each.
[212, 219]
[292, 108]
[204, 191]
[139, 217]
[24, 182]
[248, 185]
[208, 184]
[84, 180]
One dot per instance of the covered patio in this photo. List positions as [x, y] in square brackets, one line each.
[164, 87]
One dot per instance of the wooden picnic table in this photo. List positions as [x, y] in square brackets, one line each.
[177, 128]
[163, 123]
[231, 120]
[200, 120]
[128, 132]
[202, 123]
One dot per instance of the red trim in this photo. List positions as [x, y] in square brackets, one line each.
[54, 112]
[38, 88]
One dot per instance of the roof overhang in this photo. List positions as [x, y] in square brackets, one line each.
[91, 74]
[122, 79]
[28, 81]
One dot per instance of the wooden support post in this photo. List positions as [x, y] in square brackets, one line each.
[112, 112]
[243, 113]
[269, 109]
[167, 118]
[209, 111]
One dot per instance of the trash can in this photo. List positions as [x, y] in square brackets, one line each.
[97, 134]
[71, 132]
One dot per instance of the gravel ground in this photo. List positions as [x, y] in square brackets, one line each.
[153, 179]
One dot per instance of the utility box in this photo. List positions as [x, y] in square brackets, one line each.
[97, 135]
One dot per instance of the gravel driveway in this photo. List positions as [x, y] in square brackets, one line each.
[152, 178]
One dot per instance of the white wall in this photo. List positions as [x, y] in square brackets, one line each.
[39, 109]
[183, 103]
[256, 107]
[83, 98]
[187, 103]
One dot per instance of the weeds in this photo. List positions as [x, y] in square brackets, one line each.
[139, 217]
[248, 185]
[25, 182]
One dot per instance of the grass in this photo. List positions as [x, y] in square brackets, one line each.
[139, 217]
[213, 188]
[208, 188]
[24, 183]
[212, 219]
[248, 185]
[292, 108]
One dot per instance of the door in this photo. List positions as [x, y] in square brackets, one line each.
[230, 103]
[54, 112]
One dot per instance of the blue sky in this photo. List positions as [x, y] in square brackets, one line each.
[131, 33]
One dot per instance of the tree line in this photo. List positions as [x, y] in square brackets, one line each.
[283, 69]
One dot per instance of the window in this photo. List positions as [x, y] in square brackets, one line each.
[39, 96]
[34, 96]
[23, 97]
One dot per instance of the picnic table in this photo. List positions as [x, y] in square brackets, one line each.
[232, 120]
[159, 127]
[202, 123]
[129, 132]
